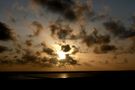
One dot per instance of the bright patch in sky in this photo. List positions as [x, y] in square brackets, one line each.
[61, 55]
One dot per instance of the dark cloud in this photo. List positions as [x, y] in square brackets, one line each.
[70, 60]
[38, 27]
[118, 29]
[53, 29]
[65, 33]
[5, 32]
[94, 38]
[43, 44]
[62, 7]
[75, 49]
[70, 15]
[29, 57]
[107, 48]
[61, 31]
[65, 48]
[53, 61]
[102, 39]
[28, 42]
[89, 40]
[49, 51]
[83, 32]
[38, 53]
[104, 49]
[46, 49]
[18, 48]
[3, 49]
[2, 61]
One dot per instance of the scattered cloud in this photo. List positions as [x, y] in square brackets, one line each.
[69, 10]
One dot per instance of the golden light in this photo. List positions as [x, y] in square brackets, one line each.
[61, 55]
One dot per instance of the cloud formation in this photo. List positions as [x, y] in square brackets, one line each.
[38, 28]
[104, 49]
[70, 60]
[62, 7]
[5, 32]
[118, 29]
[95, 38]
[29, 57]
[62, 32]
[75, 50]
[28, 42]
[49, 51]
[65, 48]
[3, 49]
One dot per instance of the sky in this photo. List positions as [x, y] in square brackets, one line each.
[67, 35]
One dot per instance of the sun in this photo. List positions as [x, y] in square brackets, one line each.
[61, 55]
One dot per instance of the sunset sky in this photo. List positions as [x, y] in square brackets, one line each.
[53, 35]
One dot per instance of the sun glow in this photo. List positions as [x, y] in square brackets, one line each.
[61, 55]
